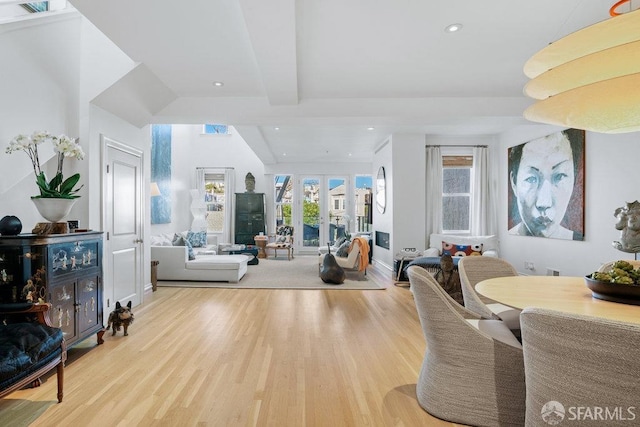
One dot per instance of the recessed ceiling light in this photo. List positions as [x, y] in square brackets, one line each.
[276, 128]
[453, 28]
[284, 154]
[218, 84]
[370, 128]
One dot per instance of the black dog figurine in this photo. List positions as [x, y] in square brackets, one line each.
[121, 316]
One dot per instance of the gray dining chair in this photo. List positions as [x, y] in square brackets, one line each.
[472, 372]
[475, 269]
[574, 360]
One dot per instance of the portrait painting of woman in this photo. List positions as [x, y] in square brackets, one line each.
[546, 186]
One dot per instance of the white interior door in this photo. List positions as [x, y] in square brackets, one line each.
[123, 224]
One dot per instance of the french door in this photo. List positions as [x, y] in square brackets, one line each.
[322, 210]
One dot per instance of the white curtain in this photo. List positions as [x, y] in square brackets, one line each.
[229, 194]
[200, 181]
[198, 207]
[483, 218]
[434, 191]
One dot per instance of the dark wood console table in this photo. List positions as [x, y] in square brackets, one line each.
[64, 270]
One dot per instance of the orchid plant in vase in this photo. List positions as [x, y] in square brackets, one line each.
[57, 187]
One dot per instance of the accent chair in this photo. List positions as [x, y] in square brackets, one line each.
[580, 361]
[475, 269]
[473, 370]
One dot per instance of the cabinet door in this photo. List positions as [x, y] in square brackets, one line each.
[249, 217]
[73, 257]
[62, 297]
[250, 203]
[90, 309]
[22, 274]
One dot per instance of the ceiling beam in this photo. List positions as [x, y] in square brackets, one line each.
[272, 30]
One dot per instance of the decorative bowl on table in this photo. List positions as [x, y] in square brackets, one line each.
[619, 283]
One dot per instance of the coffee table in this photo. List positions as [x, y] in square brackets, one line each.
[242, 250]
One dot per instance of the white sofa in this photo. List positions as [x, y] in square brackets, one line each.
[165, 239]
[489, 244]
[174, 264]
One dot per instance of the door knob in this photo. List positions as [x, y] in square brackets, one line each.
[138, 241]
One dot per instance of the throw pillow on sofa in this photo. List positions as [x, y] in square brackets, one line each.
[461, 250]
[180, 241]
[164, 239]
[198, 239]
[343, 250]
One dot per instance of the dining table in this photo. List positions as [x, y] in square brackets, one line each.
[562, 293]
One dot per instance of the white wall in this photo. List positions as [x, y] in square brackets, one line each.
[52, 69]
[39, 92]
[611, 170]
[191, 149]
[611, 175]
[49, 86]
[384, 222]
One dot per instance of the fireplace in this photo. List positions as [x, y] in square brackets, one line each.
[382, 239]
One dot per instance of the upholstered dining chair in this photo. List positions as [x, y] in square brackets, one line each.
[473, 371]
[475, 269]
[580, 361]
[283, 239]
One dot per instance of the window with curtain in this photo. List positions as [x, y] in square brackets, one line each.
[215, 199]
[457, 199]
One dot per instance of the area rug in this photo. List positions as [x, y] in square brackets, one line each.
[279, 273]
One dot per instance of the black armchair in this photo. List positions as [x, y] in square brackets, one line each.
[29, 347]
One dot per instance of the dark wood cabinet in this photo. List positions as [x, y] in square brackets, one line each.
[62, 269]
[249, 218]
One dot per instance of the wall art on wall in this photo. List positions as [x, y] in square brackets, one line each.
[161, 173]
[546, 186]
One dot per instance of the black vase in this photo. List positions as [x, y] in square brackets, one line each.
[10, 225]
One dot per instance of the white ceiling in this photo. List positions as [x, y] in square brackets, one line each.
[323, 71]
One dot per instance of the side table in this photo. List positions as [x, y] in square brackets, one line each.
[261, 243]
[400, 263]
[154, 275]
[431, 264]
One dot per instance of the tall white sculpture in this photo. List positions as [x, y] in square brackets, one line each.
[198, 211]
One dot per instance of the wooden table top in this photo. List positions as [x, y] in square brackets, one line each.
[561, 293]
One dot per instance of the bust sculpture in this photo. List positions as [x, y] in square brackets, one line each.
[250, 183]
[629, 225]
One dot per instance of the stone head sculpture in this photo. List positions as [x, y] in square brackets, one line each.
[628, 222]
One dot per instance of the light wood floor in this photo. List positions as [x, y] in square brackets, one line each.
[243, 357]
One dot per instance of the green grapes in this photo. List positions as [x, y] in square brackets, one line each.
[621, 272]
[603, 277]
[623, 265]
[623, 280]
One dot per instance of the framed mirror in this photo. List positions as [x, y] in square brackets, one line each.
[381, 190]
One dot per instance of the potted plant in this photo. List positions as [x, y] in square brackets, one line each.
[58, 194]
